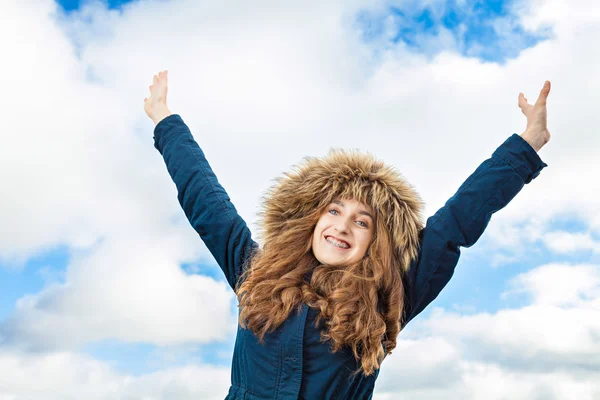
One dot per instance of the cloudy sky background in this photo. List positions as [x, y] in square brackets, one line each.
[106, 292]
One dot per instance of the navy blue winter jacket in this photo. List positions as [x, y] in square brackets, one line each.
[293, 363]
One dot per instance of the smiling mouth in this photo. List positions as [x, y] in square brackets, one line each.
[340, 244]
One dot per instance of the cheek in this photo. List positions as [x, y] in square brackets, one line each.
[317, 228]
[322, 223]
[317, 231]
[314, 237]
[365, 241]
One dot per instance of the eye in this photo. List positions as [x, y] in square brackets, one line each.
[363, 224]
[333, 211]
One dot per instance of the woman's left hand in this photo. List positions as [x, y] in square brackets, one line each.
[536, 133]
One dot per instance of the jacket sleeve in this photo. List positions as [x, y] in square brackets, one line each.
[204, 201]
[464, 217]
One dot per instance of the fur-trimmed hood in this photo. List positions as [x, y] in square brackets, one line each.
[301, 195]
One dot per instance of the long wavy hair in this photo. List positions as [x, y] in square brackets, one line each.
[361, 305]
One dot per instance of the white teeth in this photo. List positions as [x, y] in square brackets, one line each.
[337, 243]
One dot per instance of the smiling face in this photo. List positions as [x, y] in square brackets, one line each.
[343, 233]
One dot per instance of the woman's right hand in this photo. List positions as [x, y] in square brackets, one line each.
[155, 106]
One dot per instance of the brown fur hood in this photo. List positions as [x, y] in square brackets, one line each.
[300, 196]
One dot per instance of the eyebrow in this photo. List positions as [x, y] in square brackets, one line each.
[360, 212]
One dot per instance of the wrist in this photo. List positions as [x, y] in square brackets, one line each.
[160, 114]
[533, 143]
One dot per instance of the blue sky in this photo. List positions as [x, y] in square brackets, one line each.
[486, 32]
[39, 270]
[473, 27]
[71, 5]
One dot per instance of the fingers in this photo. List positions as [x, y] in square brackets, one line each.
[543, 94]
[541, 101]
[158, 78]
[522, 100]
[162, 75]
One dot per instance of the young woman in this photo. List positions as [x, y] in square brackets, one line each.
[345, 263]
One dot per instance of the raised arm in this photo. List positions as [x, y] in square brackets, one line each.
[465, 215]
[204, 201]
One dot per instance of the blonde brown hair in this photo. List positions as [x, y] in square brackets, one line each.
[361, 304]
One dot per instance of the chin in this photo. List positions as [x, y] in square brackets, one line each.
[324, 260]
[334, 262]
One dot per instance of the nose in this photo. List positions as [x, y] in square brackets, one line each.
[341, 226]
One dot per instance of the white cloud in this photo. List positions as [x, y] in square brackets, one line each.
[117, 292]
[561, 326]
[433, 364]
[65, 375]
[481, 380]
[566, 242]
[559, 285]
